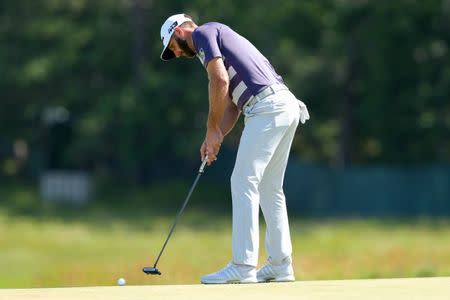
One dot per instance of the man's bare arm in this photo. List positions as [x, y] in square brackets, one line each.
[230, 116]
[218, 102]
[218, 92]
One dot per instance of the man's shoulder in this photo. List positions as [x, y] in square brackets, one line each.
[211, 25]
[208, 28]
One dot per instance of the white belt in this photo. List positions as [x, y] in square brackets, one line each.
[271, 89]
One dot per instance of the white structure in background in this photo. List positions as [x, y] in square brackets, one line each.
[57, 181]
[68, 186]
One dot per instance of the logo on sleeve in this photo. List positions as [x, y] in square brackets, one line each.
[201, 56]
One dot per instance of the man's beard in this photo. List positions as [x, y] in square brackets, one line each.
[185, 47]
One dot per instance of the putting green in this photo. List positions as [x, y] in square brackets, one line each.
[398, 289]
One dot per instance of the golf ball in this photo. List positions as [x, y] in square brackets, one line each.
[121, 281]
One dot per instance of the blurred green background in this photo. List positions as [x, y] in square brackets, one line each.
[99, 139]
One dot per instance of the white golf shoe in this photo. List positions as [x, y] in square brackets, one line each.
[276, 273]
[232, 273]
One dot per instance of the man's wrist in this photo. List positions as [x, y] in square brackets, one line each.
[212, 126]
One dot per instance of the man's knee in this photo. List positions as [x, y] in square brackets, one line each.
[242, 182]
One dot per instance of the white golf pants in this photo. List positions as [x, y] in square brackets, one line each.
[258, 174]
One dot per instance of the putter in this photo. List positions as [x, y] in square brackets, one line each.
[154, 270]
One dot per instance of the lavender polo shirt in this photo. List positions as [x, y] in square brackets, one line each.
[249, 71]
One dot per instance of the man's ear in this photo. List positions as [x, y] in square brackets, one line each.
[179, 31]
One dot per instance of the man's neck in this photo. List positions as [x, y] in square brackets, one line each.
[189, 40]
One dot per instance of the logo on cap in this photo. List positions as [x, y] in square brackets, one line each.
[172, 27]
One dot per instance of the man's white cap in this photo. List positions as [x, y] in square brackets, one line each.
[167, 30]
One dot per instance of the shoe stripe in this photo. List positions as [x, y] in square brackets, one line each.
[235, 273]
[231, 274]
[267, 270]
[227, 273]
[270, 273]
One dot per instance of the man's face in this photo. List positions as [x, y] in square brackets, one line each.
[180, 47]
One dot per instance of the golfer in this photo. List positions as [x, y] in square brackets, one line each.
[241, 79]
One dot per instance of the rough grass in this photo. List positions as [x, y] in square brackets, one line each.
[46, 245]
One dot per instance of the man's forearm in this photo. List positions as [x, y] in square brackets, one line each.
[218, 102]
[230, 117]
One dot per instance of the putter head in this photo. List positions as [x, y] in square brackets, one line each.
[151, 270]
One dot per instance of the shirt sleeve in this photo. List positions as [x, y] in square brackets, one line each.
[206, 43]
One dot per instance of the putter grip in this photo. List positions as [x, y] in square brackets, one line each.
[202, 167]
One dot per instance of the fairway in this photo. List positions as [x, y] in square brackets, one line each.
[414, 288]
[95, 245]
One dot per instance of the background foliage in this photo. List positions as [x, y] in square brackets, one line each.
[375, 75]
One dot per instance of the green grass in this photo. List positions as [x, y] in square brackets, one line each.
[47, 245]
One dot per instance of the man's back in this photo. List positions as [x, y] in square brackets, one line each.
[249, 71]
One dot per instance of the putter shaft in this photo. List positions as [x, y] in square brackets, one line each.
[154, 270]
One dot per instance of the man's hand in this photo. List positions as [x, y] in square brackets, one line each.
[211, 145]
